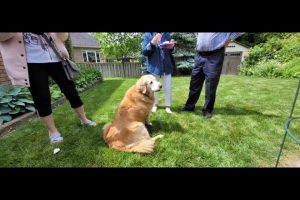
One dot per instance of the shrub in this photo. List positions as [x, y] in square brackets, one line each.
[263, 69]
[292, 69]
[14, 100]
[277, 57]
[87, 76]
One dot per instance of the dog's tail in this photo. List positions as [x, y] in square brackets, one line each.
[106, 128]
[157, 137]
[145, 146]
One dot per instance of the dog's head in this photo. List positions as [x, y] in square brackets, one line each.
[148, 83]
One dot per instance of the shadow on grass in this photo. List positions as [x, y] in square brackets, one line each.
[166, 127]
[177, 109]
[105, 90]
[240, 111]
[225, 111]
[95, 137]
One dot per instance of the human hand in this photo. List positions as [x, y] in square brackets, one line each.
[227, 42]
[171, 45]
[156, 39]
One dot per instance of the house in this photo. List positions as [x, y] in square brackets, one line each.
[85, 48]
[237, 47]
[235, 53]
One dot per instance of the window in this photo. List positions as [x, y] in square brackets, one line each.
[91, 56]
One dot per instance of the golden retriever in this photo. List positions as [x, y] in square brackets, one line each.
[128, 132]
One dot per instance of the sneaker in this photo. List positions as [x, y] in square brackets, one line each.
[207, 114]
[154, 109]
[186, 109]
[168, 110]
[89, 123]
[55, 138]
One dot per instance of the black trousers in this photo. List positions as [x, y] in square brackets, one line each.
[208, 68]
[39, 86]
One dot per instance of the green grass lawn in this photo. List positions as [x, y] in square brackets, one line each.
[246, 129]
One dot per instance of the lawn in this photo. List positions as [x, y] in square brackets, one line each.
[246, 129]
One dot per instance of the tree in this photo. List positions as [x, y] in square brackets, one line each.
[251, 39]
[120, 45]
[185, 51]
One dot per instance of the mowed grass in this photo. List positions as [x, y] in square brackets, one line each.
[246, 129]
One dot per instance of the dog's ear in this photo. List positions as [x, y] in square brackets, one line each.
[144, 89]
[141, 86]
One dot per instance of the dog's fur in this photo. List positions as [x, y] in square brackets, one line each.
[128, 132]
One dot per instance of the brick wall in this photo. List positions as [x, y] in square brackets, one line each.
[3, 76]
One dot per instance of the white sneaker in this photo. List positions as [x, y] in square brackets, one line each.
[154, 109]
[168, 110]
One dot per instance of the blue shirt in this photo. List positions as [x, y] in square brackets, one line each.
[214, 41]
[159, 60]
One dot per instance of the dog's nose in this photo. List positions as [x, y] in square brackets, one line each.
[160, 86]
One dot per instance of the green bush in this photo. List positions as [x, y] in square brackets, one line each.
[263, 69]
[279, 56]
[292, 69]
[87, 76]
[14, 100]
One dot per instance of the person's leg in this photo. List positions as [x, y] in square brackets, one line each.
[196, 83]
[68, 88]
[81, 113]
[49, 122]
[40, 92]
[168, 92]
[155, 106]
[212, 70]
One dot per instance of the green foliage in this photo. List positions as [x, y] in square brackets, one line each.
[291, 69]
[87, 76]
[55, 91]
[252, 39]
[263, 69]
[278, 56]
[120, 45]
[14, 100]
[185, 52]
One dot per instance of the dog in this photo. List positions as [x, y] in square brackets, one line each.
[128, 132]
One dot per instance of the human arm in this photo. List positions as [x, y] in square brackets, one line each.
[63, 36]
[6, 36]
[149, 43]
[232, 37]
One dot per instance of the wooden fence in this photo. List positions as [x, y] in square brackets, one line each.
[110, 69]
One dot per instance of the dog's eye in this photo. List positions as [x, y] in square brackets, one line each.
[151, 82]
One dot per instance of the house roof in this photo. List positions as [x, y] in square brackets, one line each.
[83, 40]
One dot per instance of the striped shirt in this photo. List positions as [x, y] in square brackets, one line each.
[214, 41]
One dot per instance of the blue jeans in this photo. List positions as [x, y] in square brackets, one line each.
[208, 68]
